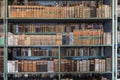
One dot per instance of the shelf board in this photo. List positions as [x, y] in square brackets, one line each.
[36, 33]
[83, 72]
[84, 45]
[33, 46]
[42, 57]
[83, 57]
[59, 72]
[60, 20]
[34, 57]
[60, 46]
[32, 72]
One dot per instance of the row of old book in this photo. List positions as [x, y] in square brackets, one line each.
[56, 77]
[78, 37]
[77, 11]
[93, 37]
[66, 65]
[84, 51]
[34, 51]
[52, 27]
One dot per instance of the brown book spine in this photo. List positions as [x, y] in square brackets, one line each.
[55, 65]
[33, 66]
[25, 66]
[19, 66]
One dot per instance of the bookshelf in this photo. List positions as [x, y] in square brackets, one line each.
[58, 39]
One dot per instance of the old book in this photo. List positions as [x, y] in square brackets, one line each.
[15, 39]
[75, 51]
[81, 66]
[84, 65]
[78, 65]
[97, 65]
[118, 34]
[2, 8]
[85, 37]
[13, 66]
[22, 66]
[108, 64]
[87, 65]
[19, 66]
[50, 66]
[92, 65]
[104, 38]
[86, 51]
[72, 65]
[102, 10]
[80, 11]
[9, 10]
[92, 52]
[108, 38]
[10, 39]
[29, 63]
[71, 38]
[25, 66]
[106, 11]
[76, 34]
[55, 65]
[19, 40]
[104, 66]
[93, 12]
[62, 64]
[29, 52]
[38, 64]
[64, 39]
[28, 40]
[59, 39]
[34, 66]
[100, 63]
[71, 12]
[42, 66]
[118, 10]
